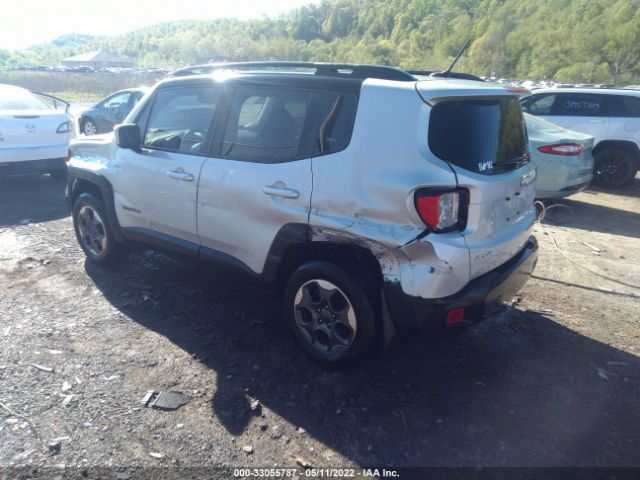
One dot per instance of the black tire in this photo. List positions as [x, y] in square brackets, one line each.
[97, 240]
[614, 168]
[89, 127]
[334, 342]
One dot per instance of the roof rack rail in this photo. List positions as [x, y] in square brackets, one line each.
[382, 72]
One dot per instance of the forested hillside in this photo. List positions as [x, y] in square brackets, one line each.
[563, 40]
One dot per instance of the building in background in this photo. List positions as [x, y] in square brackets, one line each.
[97, 59]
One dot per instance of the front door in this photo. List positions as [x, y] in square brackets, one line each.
[156, 188]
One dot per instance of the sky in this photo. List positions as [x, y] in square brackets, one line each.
[27, 22]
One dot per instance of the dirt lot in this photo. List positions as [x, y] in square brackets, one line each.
[553, 380]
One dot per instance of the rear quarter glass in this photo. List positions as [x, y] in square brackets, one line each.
[479, 135]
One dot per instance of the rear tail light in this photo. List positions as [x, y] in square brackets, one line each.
[568, 149]
[65, 127]
[443, 210]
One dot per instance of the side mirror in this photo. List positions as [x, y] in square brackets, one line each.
[128, 136]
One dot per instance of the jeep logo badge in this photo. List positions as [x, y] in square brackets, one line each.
[30, 128]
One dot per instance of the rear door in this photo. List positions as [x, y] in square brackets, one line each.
[624, 117]
[260, 178]
[484, 141]
[156, 188]
[583, 112]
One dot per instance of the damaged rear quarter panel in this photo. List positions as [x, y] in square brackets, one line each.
[364, 194]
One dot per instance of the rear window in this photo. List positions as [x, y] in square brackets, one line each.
[482, 136]
[19, 99]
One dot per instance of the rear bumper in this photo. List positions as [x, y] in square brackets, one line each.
[33, 166]
[563, 192]
[38, 152]
[421, 317]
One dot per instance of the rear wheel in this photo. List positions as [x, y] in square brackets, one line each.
[93, 232]
[89, 127]
[613, 168]
[330, 313]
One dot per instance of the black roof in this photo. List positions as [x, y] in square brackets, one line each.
[348, 85]
[344, 70]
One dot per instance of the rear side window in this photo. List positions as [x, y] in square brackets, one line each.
[181, 119]
[624, 106]
[336, 117]
[266, 125]
[482, 136]
[582, 105]
[274, 125]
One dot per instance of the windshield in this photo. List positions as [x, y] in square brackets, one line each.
[14, 98]
[483, 136]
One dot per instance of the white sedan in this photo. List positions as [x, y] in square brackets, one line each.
[35, 130]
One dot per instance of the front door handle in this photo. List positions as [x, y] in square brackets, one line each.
[280, 192]
[180, 175]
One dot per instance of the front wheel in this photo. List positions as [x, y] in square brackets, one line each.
[613, 168]
[330, 312]
[89, 128]
[93, 231]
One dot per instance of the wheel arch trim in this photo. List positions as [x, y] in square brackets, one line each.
[78, 176]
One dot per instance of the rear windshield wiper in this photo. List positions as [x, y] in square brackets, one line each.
[516, 162]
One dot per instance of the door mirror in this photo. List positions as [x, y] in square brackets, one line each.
[128, 136]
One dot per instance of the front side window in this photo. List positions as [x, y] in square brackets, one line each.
[117, 100]
[266, 125]
[135, 98]
[181, 119]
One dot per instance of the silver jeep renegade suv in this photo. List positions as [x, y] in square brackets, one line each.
[371, 200]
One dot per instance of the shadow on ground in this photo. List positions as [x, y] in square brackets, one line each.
[31, 199]
[631, 190]
[593, 218]
[517, 390]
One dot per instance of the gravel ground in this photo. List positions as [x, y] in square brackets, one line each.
[552, 380]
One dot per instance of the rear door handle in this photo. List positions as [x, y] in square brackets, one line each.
[178, 175]
[281, 192]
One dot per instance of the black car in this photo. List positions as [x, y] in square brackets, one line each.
[102, 117]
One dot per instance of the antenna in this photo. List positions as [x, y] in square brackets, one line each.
[446, 72]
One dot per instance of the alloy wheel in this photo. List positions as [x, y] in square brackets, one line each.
[90, 128]
[92, 231]
[612, 169]
[324, 315]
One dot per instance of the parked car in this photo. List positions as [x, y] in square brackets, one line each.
[563, 158]
[35, 130]
[372, 202]
[110, 111]
[611, 116]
